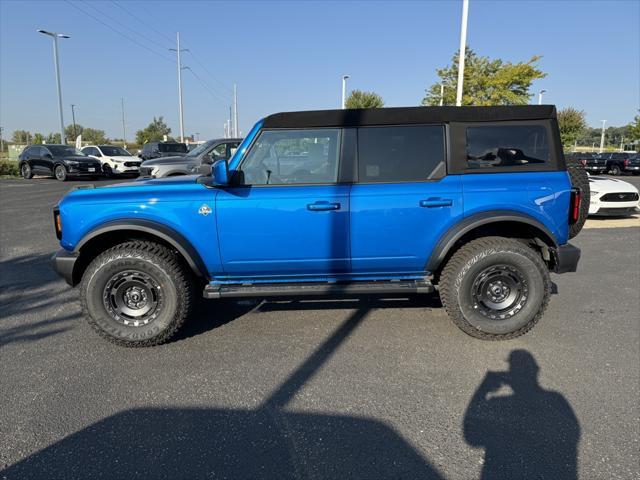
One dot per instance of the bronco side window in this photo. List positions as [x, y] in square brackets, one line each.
[290, 157]
[506, 146]
[412, 153]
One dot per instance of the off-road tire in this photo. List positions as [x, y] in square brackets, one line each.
[579, 179]
[173, 279]
[60, 173]
[469, 262]
[25, 171]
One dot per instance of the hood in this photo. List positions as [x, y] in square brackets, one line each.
[603, 184]
[168, 161]
[126, 158]
[74, 158]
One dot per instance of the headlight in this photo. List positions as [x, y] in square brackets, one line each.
[593, 194]
[72, 163]
[118, 160]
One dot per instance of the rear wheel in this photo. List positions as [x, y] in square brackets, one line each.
[25, 171]
[60, 173]
[579, 179]
[495, 288]
[137, 294]
[615, 170]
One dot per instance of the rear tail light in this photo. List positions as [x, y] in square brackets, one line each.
[57, 223]
[626, 162]
[574, 205]
[583, 162]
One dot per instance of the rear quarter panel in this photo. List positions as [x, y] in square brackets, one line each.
[543, 196]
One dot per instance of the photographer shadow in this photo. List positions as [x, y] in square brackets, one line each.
[529, 433]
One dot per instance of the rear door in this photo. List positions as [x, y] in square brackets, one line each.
[290, 217]
[402, 200]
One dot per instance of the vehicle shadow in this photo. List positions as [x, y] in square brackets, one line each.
[526, 431]
[268, 442]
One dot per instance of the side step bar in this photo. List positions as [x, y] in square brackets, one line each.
[315, 289]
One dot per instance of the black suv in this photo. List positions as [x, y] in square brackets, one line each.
[162, 149]
[590, 161]
[61, 161]
[621, 162]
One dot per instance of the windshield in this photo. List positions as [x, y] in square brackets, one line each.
[111, 151]
[199, 149]
[173, 147]
[63, 151]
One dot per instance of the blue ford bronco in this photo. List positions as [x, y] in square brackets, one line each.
[476, 203]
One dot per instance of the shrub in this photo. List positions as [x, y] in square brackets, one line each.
[9, 167]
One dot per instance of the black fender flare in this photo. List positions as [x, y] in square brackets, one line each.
[451, 236]
[168, 234]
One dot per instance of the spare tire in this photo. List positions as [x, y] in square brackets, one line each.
[579, 179]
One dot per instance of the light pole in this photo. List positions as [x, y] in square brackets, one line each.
[602, 137]
[124, 131]
[55, 37]
[441, 94]
[344, 90]
[197, 136]
[540, 93]
[463, 51]
[73, 119]
[235, 111]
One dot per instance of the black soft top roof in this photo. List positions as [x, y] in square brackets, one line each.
[406, 115]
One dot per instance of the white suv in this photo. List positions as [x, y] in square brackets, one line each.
[115, 160]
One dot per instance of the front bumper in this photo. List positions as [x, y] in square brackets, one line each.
[63, 262]
[566, 258]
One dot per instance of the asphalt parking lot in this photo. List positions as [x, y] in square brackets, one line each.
[316, 389]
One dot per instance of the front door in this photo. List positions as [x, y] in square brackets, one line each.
[289, 218]
[402, 201]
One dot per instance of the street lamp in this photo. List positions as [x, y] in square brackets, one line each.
[441, 94]
[73, 119]
[463, 51]
[602, 136]
[55, 37]
[540, 93]
[344, 90]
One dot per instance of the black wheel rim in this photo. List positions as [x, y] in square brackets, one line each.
[133, 298]
[500, 292]
[60, 173]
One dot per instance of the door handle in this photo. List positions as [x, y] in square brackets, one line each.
[323, 206]
[436, 202]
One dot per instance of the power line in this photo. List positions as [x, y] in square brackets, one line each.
[118, 32]
[143, 22]
[210, 74]
[204, 85]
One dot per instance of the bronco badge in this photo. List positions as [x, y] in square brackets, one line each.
[204, 210]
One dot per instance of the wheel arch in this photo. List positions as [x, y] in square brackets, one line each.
[494, 223]
[119, 231]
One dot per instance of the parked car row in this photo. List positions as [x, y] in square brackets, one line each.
[157, 159]
[615, 163]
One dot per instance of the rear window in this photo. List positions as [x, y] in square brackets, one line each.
[400, 154]
[173, 147]
[506, 146]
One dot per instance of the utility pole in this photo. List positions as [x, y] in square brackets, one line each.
[178, 51]
[55, 37]
[1, 141]
[441, 94]
[73, 119]
[463, 51]
[344, 91]
[235, 111]
[124, 131]
[230, 127]
[602, 137]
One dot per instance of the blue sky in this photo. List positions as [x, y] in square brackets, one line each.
[291, 55]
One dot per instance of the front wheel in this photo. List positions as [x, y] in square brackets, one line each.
[137, 294]
[60, 173]
[615, 170]
[25, 171]
[495, 288]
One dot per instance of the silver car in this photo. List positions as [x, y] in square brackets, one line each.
[189, 164]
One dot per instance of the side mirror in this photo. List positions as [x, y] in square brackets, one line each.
[98, 154]
[205, 169]
[220, 172]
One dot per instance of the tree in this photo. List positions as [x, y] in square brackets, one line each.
[572, 123]
[70, 133]
[21, 136]
[634, 128]
[486, 81]
[153, 132]
[38, 138]
[93, 135]
[53, 138]
[360, 99]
